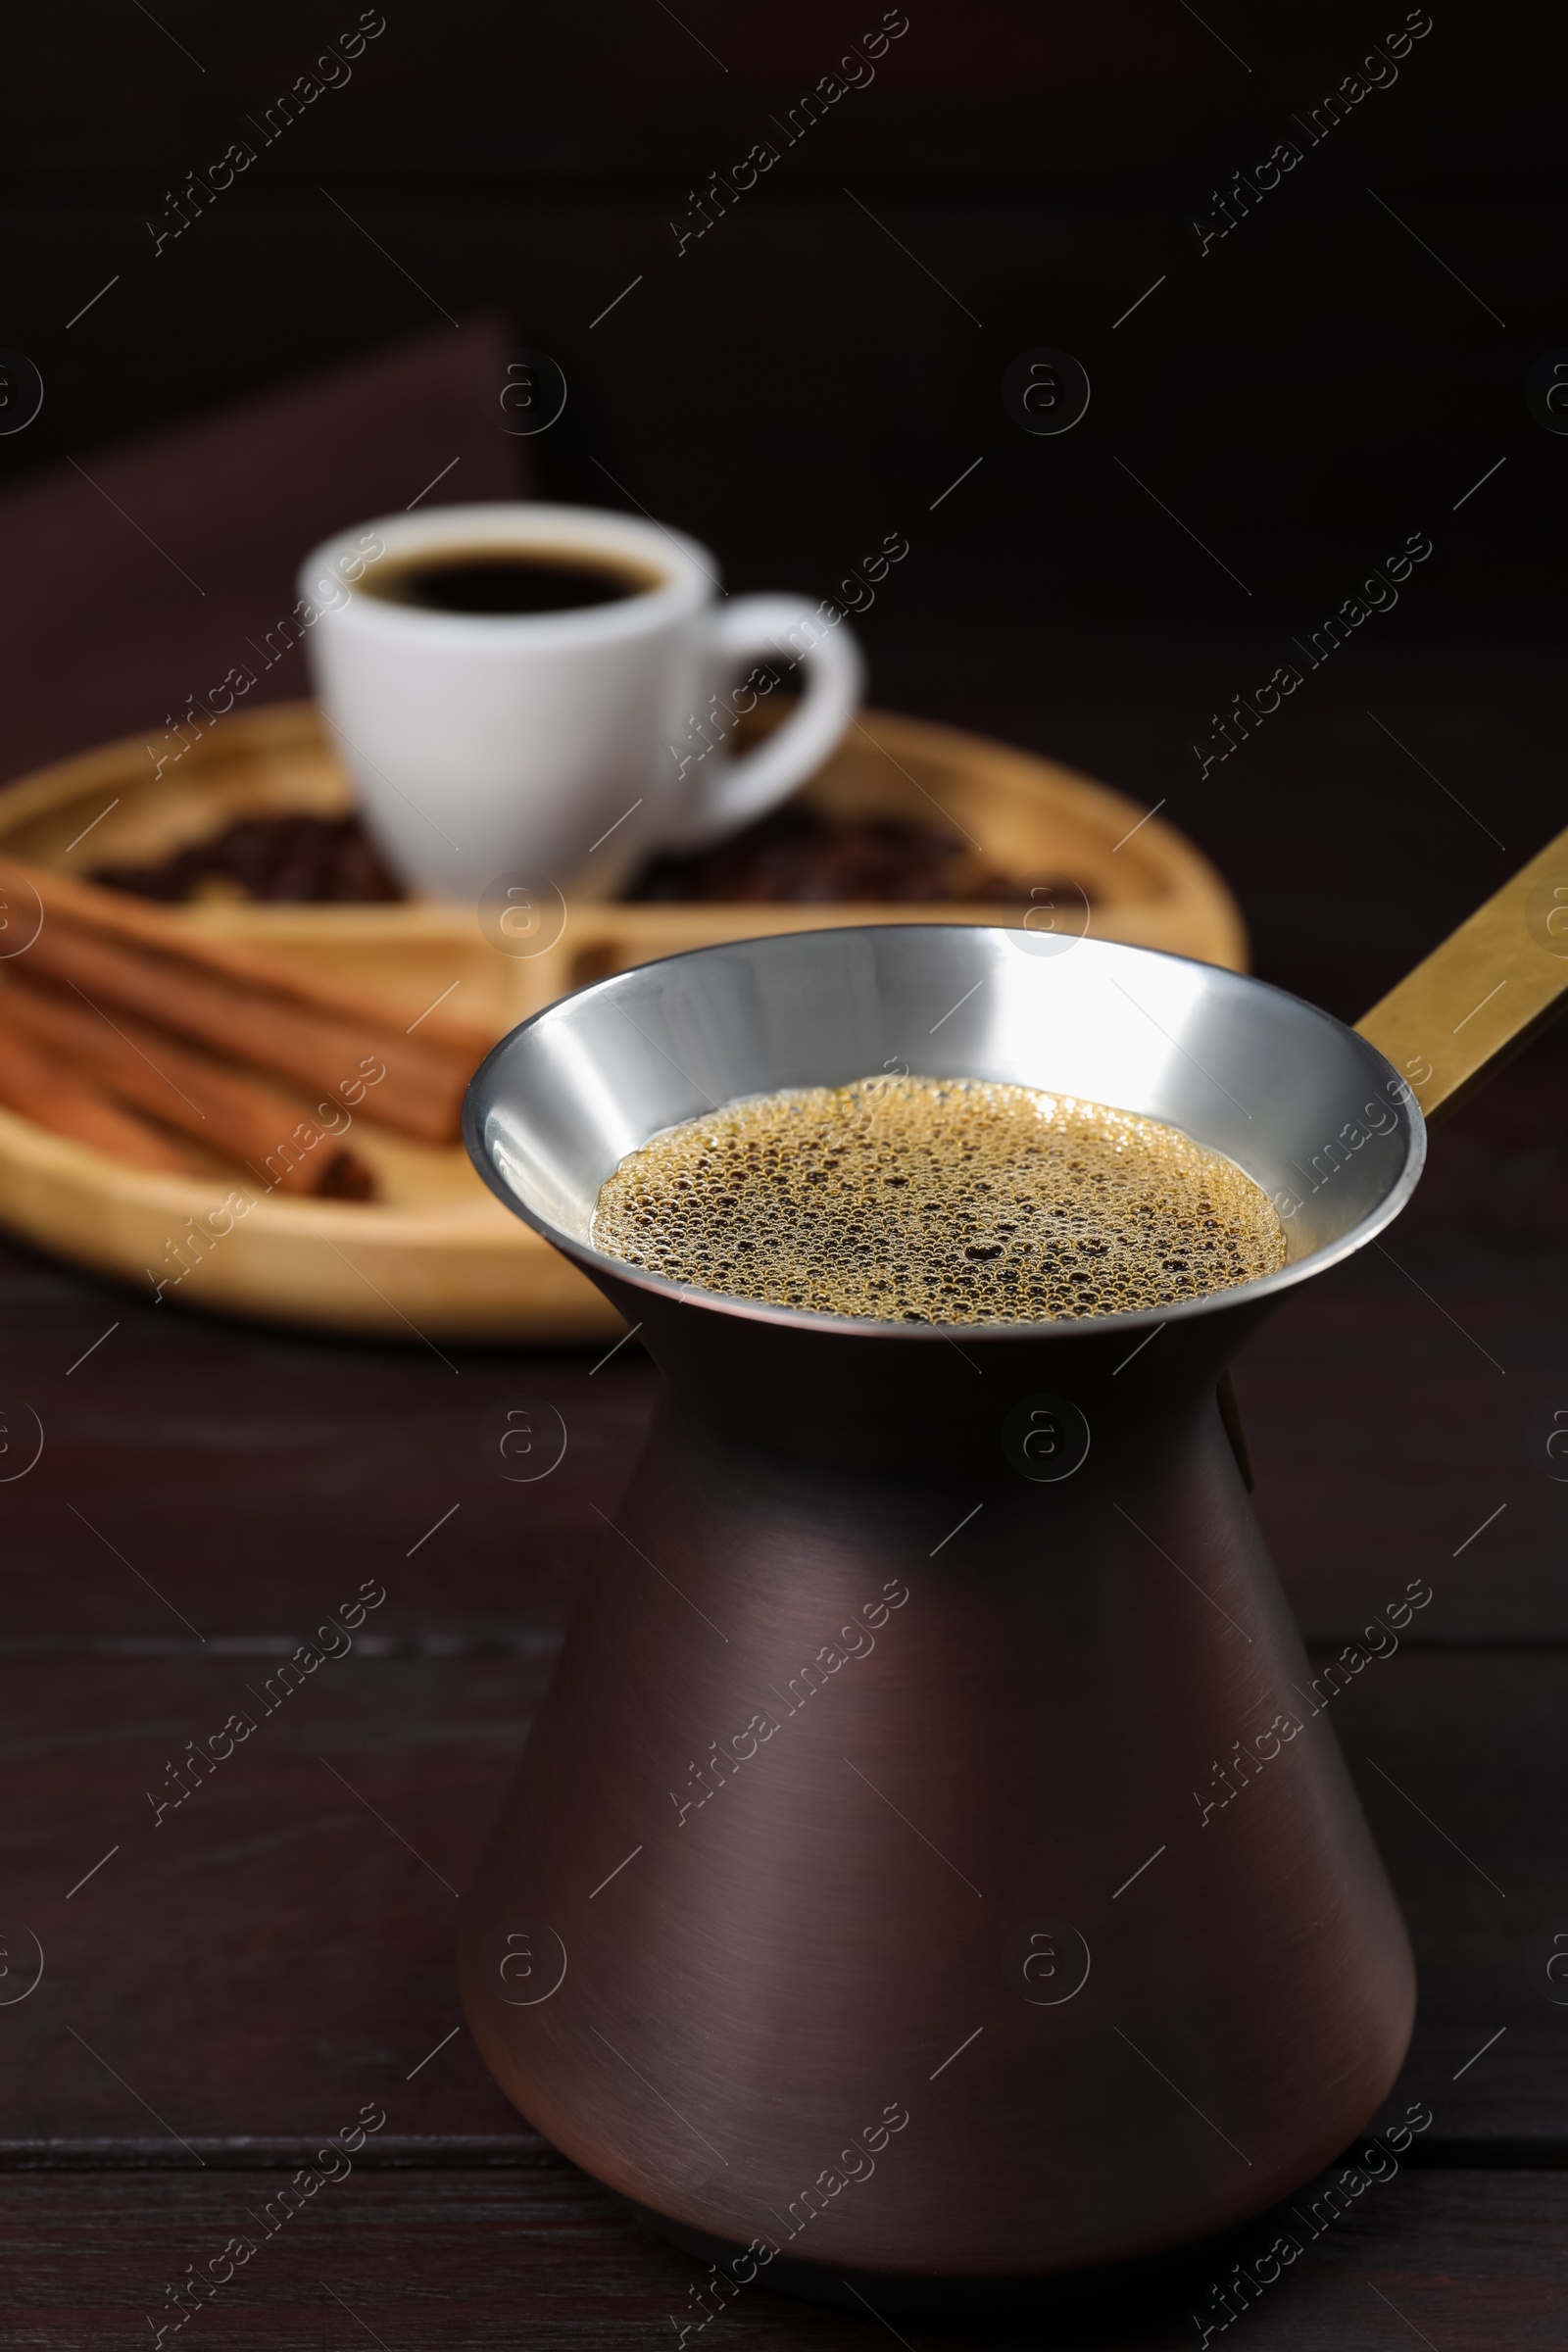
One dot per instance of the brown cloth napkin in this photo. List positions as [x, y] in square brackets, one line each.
[138, 581]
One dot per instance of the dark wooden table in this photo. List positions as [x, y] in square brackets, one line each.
[225, 1986]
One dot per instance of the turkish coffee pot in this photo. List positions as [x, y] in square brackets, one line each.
[931, 1862]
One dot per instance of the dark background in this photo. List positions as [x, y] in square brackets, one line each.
[792, 385]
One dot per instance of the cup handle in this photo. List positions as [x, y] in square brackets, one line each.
[730, 793]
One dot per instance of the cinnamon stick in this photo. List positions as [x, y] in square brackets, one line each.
[67, 1104]
[392, 1080]
[111, 914]
[235, 1115]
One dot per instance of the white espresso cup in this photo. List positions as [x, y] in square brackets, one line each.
[568, 743]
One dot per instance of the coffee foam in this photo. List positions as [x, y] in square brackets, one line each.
[938, 1200]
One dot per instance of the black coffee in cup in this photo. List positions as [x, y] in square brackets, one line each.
[506, 579]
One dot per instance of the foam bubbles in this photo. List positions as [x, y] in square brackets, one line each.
[938, 1200]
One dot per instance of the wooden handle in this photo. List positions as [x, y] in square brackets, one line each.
[1484, 993]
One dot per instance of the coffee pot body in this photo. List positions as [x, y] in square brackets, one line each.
[933, 1859]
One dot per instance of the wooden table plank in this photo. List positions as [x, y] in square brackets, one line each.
[283, 1938]
[1467, 2260]
[242, 1471]
[1398, 1403]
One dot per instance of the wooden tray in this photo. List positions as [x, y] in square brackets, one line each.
[439, 1258]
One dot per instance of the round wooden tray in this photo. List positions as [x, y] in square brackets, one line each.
[438, 1259]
